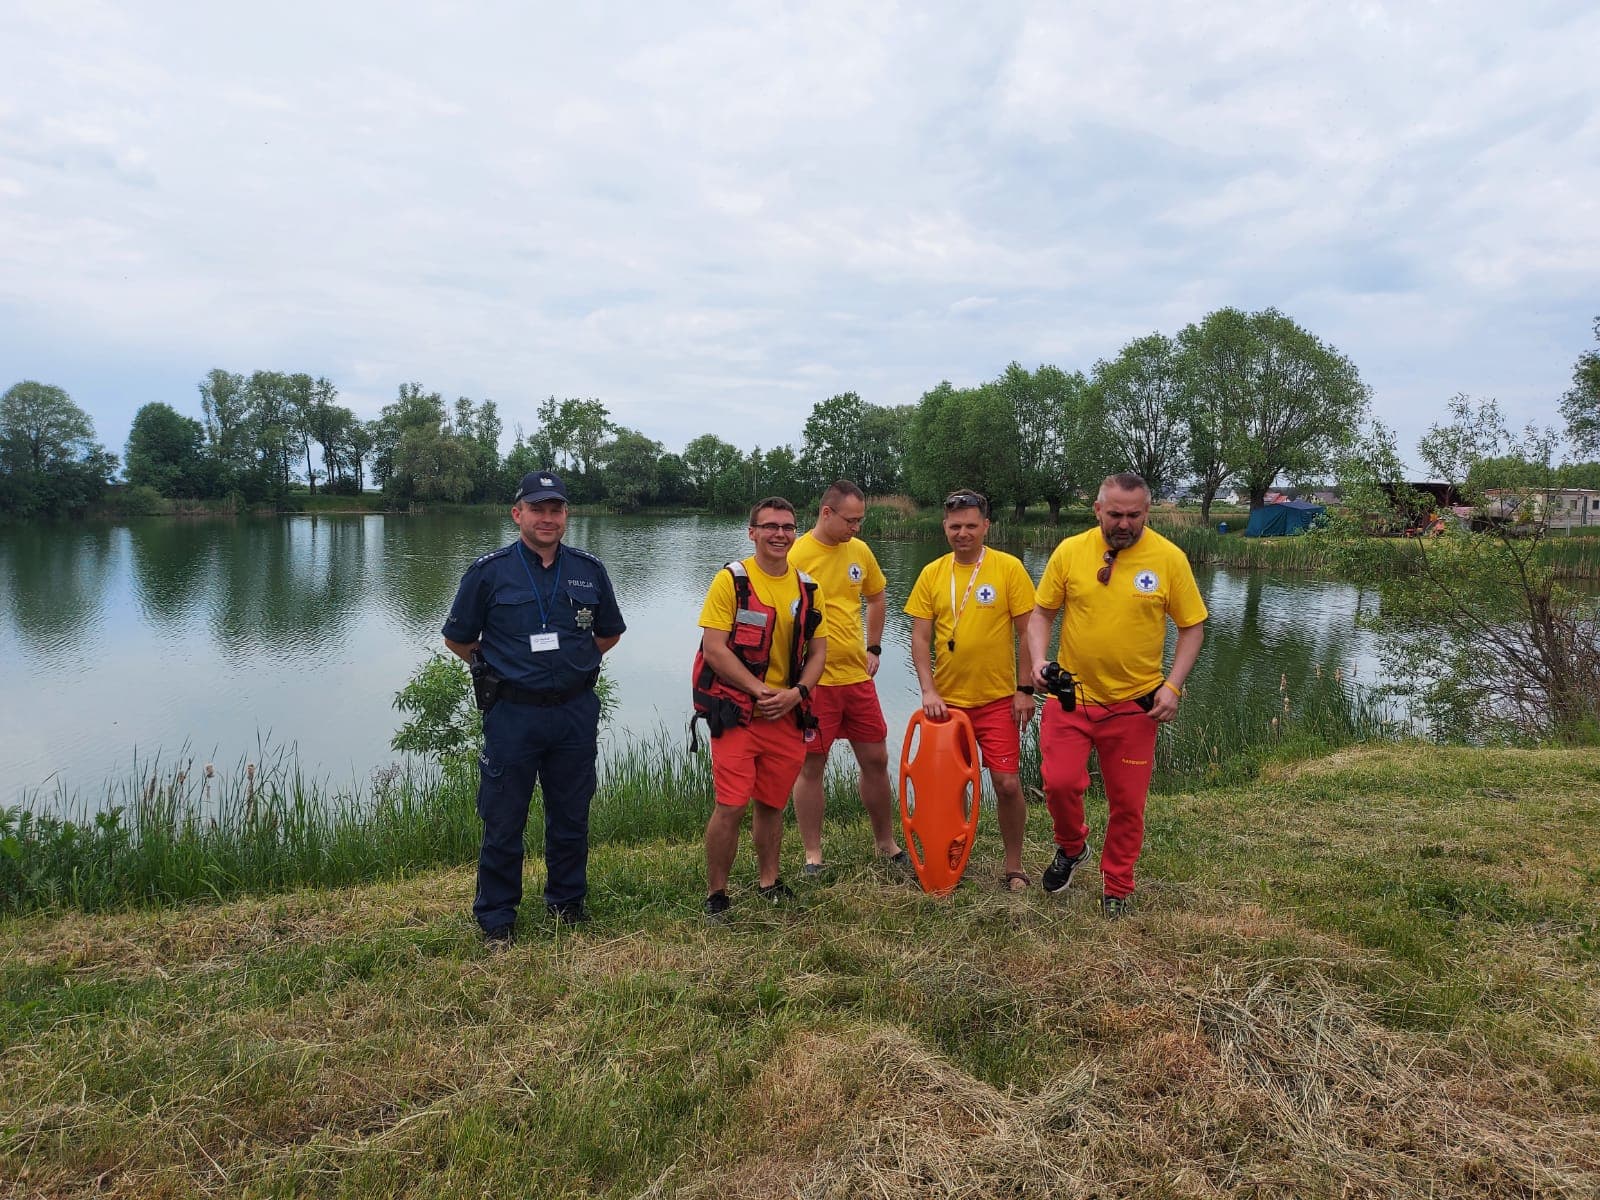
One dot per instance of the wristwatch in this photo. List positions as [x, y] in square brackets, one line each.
[1025, 688]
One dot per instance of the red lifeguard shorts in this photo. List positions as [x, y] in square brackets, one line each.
[846, 710]
[999, 740]
[758, 761]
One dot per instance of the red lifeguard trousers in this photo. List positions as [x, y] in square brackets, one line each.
[1124, 737]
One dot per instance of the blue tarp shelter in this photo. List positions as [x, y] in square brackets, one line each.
[1282, 520]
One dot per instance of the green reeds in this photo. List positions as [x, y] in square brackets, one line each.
[167, 834]
[1572, 556]
[174, 832]
[178, 832]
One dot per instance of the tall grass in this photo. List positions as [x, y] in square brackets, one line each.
[1575, 556]
[175, 832]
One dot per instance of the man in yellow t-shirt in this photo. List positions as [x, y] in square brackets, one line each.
[759, 657]
[846, 704]
[1117, 586]
[969, 614]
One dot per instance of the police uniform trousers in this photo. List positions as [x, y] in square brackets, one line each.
[524, 745]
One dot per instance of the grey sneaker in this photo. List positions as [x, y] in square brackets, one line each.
[1114, 908]
[813, 870]
[717, 906]
[1058, 875]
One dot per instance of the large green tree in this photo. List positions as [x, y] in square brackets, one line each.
[417, 455]
[1267, 397]
[571, 432]
[276, 403]
[884, 431]
[705, 459]
[166, 452]
[49, 460]
[479, 428]
[629, 465]
[41, 428]
[1213, 361]
[1033, 463]
[1146, 418]
[1581, 404]
[225, 409]
[1077, 452]
[782, 474]
[846, 438]
[326, 424]
[961, 437]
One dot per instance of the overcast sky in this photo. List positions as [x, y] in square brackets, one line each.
[713, 215]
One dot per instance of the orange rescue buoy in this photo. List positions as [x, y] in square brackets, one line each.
[941, 781]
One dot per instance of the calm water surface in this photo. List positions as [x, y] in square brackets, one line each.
[210, 638]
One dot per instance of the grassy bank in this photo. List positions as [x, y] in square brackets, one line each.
[180, 831]
[1361, 976]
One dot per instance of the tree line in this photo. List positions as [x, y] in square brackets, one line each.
[1240, 398]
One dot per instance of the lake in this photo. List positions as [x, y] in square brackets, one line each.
[223, 639]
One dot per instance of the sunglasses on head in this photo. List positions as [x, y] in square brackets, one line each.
[965, 500]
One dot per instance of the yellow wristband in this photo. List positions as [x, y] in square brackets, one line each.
[1176, 691]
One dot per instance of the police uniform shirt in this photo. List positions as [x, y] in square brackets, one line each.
[511, 604]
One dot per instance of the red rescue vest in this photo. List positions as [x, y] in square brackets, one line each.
[722, 705]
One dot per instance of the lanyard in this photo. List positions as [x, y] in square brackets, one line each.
[544, 614]
[971, 579]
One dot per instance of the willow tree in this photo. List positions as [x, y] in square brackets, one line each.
[1266, 399]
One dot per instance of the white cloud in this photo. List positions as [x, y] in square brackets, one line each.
[711, 216]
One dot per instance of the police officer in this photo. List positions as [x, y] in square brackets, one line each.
[533, 620]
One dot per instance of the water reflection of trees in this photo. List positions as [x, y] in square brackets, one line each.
[172, 565]
[423, 558]
[56, 581]
[290, 585]
[1278, 656]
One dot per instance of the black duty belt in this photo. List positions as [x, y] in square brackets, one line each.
[541, 698]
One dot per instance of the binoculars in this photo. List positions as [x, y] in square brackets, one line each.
[1062, 684]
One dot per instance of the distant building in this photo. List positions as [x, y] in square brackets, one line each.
[1558, 508]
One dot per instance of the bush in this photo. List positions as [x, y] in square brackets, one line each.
[136, 500]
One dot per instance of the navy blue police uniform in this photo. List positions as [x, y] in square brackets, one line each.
[536, 627]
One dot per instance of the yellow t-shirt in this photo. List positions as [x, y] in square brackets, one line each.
[781, 593]
[983, 666]
[1112, 634]
[844, 574]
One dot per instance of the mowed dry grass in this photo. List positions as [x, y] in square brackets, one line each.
[1368, 975]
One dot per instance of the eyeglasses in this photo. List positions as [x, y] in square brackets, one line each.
[1104, 573]
[853, 522]
[965, 500]
[773, 527]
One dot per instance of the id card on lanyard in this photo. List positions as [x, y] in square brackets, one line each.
[545, 641]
